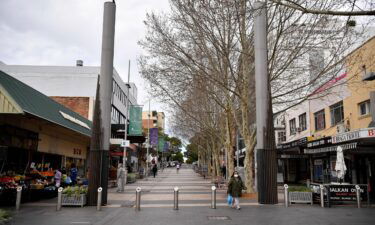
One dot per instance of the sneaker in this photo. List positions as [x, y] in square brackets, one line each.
[239, 208]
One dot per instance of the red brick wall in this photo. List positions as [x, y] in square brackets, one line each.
[79, 105]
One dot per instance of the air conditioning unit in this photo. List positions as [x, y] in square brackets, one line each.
[341, 128]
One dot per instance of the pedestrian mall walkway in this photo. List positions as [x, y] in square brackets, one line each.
[194, 191]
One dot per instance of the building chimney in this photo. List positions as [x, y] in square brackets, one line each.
[79, 63]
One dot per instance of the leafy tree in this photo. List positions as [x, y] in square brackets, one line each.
[178, 157]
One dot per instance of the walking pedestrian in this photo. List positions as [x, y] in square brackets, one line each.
[154, 170]
[57, 177]
[120, 178]
[178, 167]
[235, 188]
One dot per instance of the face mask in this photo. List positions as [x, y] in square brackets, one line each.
[235, 175]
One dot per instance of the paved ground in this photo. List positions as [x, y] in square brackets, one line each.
[157, 208]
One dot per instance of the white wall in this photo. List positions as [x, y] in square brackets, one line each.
[294, 113]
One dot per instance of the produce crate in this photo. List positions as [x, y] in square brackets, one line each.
[79, 200]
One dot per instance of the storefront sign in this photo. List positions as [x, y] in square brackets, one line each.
[283, 156]
[116, 153]
[346, 192]
[319, 142]
[330, 148]
[297, 143]
[353, 135]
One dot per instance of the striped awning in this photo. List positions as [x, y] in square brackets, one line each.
[352, 145]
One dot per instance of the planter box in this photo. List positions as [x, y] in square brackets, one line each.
[300, 197]
[79, 200]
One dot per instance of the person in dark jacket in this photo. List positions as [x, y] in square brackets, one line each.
[235, 187]
[154, 169]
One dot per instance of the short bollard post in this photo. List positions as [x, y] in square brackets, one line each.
[59, 196]
[18, 198]
[99, 203]
[138, 199]
[175, 198]
[213, 197]
[322, 196]
[358, 189]
[286, 197]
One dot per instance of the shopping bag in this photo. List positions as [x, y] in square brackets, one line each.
[229, 199]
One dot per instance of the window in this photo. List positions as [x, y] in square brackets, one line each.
[320, 121]
[302, 122]
[281, 137]
[292, 126]
[337, 113]
[364, 108]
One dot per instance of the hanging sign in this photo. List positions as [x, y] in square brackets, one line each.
[135, 120]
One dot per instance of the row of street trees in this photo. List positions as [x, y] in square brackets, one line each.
[200, 59]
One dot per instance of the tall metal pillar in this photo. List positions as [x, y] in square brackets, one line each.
[106, 79]
[266, 165]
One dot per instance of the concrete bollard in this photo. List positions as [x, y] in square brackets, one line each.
[175, 207]
[18, 198]
[138, 199]
[59, 196]
[321, 196]
[99, 203]
[213, 197]
[286, 197]
[358, 190]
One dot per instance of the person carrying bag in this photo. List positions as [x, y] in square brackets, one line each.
[235, 188]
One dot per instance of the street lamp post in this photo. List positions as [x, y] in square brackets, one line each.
[148, 135]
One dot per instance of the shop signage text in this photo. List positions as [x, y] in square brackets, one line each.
[346, 192]
[353, 135]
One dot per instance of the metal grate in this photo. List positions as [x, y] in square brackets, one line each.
[218, 218]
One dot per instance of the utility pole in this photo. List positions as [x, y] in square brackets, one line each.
[266, 164]
[124, 158]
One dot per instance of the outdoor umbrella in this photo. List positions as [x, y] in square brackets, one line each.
[340, 164]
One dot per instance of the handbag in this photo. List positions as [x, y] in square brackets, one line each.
[229, 199]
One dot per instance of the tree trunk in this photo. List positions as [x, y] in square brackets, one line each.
[228, 144]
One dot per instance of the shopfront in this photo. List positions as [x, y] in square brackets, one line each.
[359, 156]
[37, 136]
[292, 163]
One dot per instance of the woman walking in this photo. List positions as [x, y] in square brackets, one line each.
[235, 188]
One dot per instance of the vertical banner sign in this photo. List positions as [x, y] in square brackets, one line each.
[161, 144]
[154, 136]
[135, 118]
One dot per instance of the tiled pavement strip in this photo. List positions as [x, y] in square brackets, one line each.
[157, 208]
[194, 191]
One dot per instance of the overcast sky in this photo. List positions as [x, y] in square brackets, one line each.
[58, 32]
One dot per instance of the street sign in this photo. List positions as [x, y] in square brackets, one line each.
[125, 143]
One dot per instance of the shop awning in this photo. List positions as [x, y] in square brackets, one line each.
[22, 99]
[347, 146]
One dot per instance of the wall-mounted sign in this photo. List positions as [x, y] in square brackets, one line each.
[353, 135]
[125, 143]
[74, 120]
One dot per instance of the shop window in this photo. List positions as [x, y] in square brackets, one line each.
[281, 137]
[320, 121]
[337, 113]
[302, 122]
[364, 108]
[292, 126]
